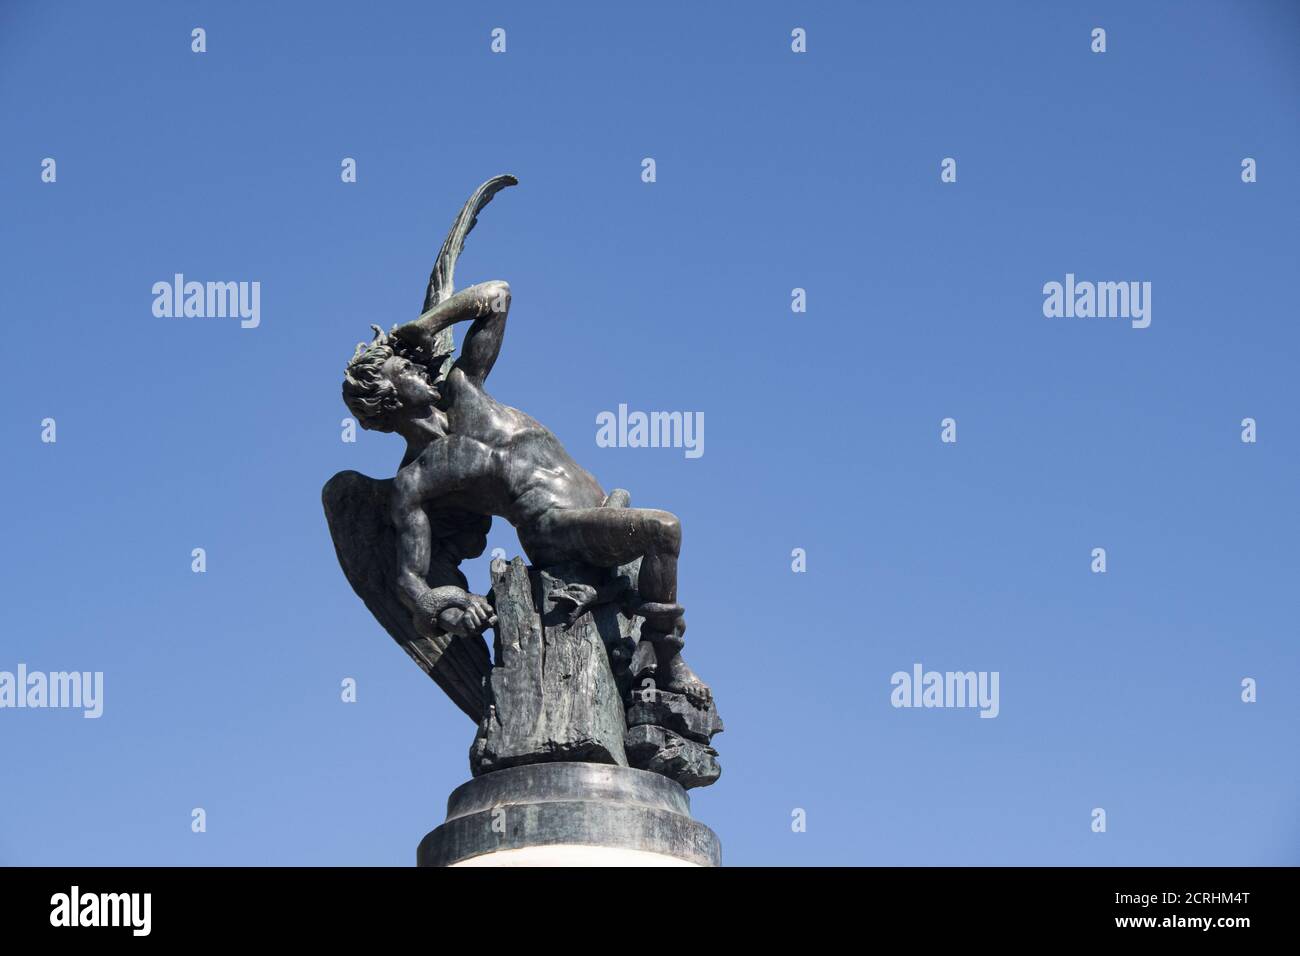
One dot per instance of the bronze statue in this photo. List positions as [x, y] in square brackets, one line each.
[468, 458]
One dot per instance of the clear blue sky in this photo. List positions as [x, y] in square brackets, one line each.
[775, 171]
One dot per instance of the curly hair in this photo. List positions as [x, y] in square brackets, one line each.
[368, 394]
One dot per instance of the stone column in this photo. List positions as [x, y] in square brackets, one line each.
[570, 814]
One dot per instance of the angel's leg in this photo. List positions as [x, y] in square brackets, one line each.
[609, 537]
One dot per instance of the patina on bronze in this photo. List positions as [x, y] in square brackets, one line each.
[587, 663]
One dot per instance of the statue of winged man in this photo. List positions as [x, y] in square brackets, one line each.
[469, 458]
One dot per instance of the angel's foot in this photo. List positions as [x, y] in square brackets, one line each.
[676, 677]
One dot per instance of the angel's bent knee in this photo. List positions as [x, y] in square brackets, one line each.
[665, 531]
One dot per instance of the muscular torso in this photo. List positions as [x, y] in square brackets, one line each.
[497, 460]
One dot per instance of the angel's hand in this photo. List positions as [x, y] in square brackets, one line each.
[412, 337]
[444, 609]
[468, 621]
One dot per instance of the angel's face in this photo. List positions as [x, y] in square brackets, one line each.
[411, 381]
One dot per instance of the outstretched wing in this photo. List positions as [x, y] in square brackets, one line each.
[356, 507]
[442, 279]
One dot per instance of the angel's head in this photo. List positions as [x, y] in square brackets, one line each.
[383, 382]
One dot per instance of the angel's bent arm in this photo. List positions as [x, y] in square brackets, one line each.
[414, 547]
[487, 304]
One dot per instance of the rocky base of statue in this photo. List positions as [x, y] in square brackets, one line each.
[561, 687]
[570, 814]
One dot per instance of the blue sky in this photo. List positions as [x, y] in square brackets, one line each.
[775, 170]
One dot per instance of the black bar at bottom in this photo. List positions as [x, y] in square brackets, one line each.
[332, 905]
